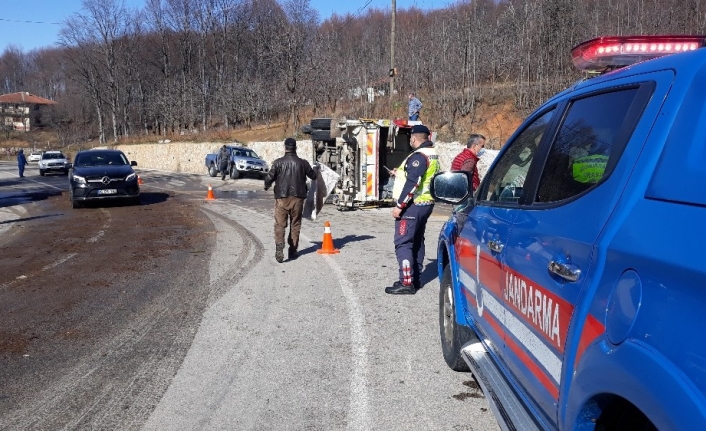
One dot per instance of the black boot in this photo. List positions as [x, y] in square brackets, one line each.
[279, 252]
[292, 253]
[398, 288]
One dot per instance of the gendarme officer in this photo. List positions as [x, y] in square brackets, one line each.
[414, 206]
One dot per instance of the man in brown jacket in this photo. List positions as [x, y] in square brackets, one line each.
[289, 174]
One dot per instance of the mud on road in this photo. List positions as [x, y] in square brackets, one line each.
[98, 307]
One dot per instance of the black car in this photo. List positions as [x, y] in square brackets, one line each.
[99, 175]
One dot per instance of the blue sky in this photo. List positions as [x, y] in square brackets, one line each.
[36, 24]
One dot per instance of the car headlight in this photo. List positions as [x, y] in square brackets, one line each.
[131, 177]
[79, 180]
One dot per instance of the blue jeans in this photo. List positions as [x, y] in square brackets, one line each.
[414, 117]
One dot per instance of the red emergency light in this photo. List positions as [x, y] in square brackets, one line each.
[608, 53]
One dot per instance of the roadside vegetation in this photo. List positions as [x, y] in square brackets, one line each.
[218, 69]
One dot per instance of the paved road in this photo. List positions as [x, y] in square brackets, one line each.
[228, 339]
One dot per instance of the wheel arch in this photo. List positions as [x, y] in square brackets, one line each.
[631, 374]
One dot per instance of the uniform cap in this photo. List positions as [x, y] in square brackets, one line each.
[420, 128]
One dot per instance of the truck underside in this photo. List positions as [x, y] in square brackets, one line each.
[361, 152]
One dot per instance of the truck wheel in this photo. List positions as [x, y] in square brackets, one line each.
[321, 135]
[41, 172]
[234, 174]
[212, 171]
[450, 331]
[321, 123]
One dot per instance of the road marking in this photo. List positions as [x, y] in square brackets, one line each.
[177, 183]
[59, 262]
[359, 410]
[101, 232]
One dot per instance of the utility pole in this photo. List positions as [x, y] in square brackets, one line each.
[392, 58]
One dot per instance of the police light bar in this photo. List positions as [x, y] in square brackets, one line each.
[608, 53]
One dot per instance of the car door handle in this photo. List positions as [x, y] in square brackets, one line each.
[495, 246]
[567, 271]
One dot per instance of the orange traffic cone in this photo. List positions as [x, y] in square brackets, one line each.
[327, 243]
[139, 180]
[209, 195]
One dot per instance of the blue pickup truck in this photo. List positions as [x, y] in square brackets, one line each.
[242, 161]
[571, 279]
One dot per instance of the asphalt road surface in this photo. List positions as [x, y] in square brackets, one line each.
[174, 315]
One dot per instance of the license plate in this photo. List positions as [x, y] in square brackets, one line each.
[107, 192]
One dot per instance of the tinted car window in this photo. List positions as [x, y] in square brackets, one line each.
[507, 179]
[585, 145]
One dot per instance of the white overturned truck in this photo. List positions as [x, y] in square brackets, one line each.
[360, 151]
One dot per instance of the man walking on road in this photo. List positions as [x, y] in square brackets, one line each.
[467, 160]
[289, 174]
[414, 207]
[222, 161]
[21, 162]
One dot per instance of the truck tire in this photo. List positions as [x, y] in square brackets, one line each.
[41, 172]
[321, 123]
[212, 171]
[321, 135]
[452, 334]
[234, 174]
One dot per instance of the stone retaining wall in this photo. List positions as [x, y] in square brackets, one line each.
[189, 157]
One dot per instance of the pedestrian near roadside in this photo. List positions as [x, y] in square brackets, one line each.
[467, 160]
[414, 205]
[222, 160]
[415, 105]
[289, 174]
[21, 162]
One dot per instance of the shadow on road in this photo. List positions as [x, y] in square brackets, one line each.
[337, 243]
[146, 198]
[18, 220]
[429, 273]
[18, 198]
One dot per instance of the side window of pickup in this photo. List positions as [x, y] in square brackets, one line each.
[586, 147]
[507, 179]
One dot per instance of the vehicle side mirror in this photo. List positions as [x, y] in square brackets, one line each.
[133, 163]
[451, 187]
[69, 165]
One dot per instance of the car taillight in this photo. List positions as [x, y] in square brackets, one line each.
[608, 53]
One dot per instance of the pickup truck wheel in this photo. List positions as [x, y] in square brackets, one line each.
[234, 174]
[321, 123]
[321, 135]
[451, 333]
[41, 172]
[212, 171]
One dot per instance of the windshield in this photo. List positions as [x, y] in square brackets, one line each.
[245, 153]
[101, 159]
[53, 156]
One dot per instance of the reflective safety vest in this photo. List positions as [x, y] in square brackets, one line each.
[423, 193]
[589, 169]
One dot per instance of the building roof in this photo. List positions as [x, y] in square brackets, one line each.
[25, 98]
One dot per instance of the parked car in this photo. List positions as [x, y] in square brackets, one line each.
[100, 175]
[242, 161]
[53, 161]
[572, 281]
[35, 156]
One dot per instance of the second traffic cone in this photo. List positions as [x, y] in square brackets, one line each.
[327, 243]
[209, 195]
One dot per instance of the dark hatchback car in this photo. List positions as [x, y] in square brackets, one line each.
[103, 175]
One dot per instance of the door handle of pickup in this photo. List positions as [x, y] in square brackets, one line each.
[567, 271]
[495, 246]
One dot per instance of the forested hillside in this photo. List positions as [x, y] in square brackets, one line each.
[193, 66]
